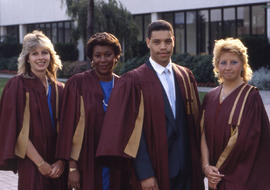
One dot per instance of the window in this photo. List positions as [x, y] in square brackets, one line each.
[58, 32]
[258, 20]
[243, 21]
[147, 21]
[191, 32]
[142, 21]
[139, 23]
[203, 31]
[179, 31]
[13, 34]
[68, 32]
[167, 16]
[229, 28]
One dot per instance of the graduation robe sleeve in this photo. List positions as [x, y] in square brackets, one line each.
[68, 120]
[127, 116]
[11, 114]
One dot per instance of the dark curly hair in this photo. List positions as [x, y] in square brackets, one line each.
[103, 39]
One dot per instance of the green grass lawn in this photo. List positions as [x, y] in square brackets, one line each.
[2, 84]
[201, 96]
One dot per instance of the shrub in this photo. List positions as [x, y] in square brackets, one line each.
[67, 52]
[71, 68]
[261, 78]
[10, 64]
[258, 51]
[10, 49]
[200, 65]
[131, 64]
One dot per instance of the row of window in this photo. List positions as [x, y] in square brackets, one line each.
[58, 32]
[196, 30]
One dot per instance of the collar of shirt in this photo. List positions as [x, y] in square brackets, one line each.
[159, 68]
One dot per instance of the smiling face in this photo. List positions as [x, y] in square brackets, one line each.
[161, 44]
[39, 60]
[230, 67]
[103, 60]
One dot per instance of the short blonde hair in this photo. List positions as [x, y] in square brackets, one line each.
[235, 46]
[30, 42]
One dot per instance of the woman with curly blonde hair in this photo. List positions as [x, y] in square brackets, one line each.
[235, 127]
[29, 117]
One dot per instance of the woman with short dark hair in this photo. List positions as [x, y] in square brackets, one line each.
[86, 98]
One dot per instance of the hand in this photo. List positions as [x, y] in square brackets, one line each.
[57, 169]
[45, 168]
[149, 184]
[212, 185]
[213, 176]
[74, 180]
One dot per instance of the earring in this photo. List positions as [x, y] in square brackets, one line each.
[92, 64]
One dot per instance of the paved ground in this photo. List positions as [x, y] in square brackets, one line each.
[9, 180]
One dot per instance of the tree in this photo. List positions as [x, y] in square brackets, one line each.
[90, 18]
[109, 16]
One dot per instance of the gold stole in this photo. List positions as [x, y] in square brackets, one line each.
[23, 137]
[234, 131]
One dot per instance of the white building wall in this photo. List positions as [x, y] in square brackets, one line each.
[13, 12]
[148, 6]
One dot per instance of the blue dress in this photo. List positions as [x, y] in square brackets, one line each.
[106, 88]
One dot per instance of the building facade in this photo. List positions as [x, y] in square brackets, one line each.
[20, 17]
[197, 23]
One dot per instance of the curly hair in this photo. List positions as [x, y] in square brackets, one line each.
[30, 42]
[236, 47]
[103, 39]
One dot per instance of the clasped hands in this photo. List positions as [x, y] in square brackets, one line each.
[54, 170]
[213, 176]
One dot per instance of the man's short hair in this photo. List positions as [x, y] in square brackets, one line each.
[157, 26]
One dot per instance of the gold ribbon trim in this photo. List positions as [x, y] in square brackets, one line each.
[79, 134]
[185, 87]
[235, 103]
[132, 146]
[243, 105]
[234, 132]
[22, 140]
[202, 122]
[231, 143]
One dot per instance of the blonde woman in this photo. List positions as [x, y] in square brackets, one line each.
[29, 116]
[235, 139]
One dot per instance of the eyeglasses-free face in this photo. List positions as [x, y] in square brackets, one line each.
[230, 67]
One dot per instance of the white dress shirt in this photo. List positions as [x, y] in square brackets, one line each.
[161, 75]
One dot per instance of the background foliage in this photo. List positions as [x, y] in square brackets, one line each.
[109, 16]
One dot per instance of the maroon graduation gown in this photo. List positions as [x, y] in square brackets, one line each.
[137, 104]
[41, 133]
[247, 166]
[81, 121]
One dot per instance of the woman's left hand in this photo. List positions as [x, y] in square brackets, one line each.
[57, 169]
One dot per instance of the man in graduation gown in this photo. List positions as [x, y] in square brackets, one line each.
[152, 117]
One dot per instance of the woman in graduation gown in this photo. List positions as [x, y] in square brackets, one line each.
[235, 128]
[29, 117]
[85, 102]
